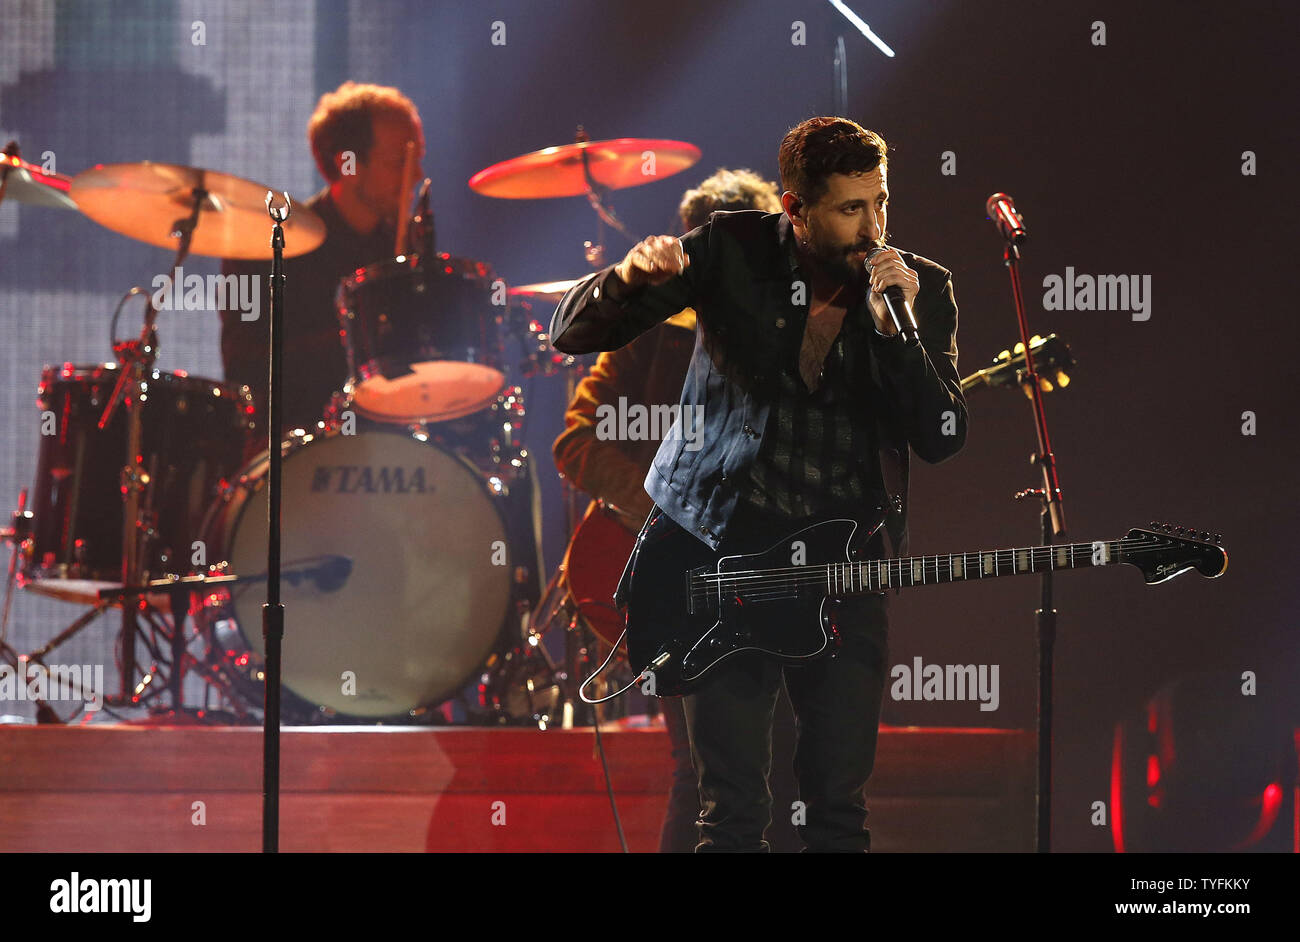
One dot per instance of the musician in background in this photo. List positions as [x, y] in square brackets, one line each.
[649, 371]
[358, 135]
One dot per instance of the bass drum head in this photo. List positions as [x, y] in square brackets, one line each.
[387, 575]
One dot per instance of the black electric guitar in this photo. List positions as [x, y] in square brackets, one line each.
[688, 608]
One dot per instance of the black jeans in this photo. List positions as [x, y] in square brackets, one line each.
[836, 703]
[679, 833]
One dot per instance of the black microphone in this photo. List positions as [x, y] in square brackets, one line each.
[1002, 210]
[900, 312]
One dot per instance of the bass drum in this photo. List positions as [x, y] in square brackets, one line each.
[397, 570]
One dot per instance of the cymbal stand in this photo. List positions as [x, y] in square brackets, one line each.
[179, 591]
[17, 534]
[134, 358]
[10, 150]
[596, 196]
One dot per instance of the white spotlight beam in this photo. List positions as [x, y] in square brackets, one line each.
[862, 26]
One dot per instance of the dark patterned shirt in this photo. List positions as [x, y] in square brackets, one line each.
[817, 445]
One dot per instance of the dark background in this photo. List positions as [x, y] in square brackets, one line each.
[1124, 158]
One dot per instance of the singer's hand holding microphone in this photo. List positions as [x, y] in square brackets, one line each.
[892, 285]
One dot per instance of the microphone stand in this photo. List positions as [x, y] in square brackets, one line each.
[1052, 519]
[273, 610]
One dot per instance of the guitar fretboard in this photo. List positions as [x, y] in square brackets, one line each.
[849, 578]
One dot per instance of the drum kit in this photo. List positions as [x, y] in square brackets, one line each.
[145, 499]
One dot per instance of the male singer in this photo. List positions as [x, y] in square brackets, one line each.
[811, 399]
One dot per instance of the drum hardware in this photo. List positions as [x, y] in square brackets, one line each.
[30, 184]
[522, 685]
[541, 359]
[18, 535]
[180, 592]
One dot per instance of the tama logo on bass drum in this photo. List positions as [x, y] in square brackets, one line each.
[364, 479]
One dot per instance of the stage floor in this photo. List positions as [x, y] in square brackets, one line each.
[131, 788]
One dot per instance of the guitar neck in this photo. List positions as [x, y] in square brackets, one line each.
[854, 578]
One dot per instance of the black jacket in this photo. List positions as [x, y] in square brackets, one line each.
[743, 281]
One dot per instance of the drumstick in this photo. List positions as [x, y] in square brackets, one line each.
[403, 216]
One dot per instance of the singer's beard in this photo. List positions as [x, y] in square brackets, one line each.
[841, 261]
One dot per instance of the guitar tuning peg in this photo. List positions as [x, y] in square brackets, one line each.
[1153, 525]
[1019, 348]
[1004, 355]
[1062, 380]
[1044, 384]
[1218, 538]
[1205, 535]
[1179, 530]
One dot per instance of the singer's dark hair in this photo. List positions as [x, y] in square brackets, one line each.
[815, 149]
[344, 120]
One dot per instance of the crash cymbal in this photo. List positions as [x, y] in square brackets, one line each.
[543, 291]
[146, 200]
[28, 183]
[558, 171]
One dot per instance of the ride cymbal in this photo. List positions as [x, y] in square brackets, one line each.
[558, 171]
[147, 201]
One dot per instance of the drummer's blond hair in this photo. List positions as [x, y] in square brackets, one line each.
[728, 190]
[343, 121]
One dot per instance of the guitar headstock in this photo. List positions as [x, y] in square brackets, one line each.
[1163, 551]
[1052, 357]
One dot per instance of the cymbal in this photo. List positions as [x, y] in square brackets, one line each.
[28, 183]
[557, 171]
[543, 291]
[145, 201]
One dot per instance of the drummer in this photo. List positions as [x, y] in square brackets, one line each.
[358, 135]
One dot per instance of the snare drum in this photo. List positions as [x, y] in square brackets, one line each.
[192, 433]
[424, 342]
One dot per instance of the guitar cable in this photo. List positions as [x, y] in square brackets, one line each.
[600, 743]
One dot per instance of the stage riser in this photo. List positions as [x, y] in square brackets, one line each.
[131, 789]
